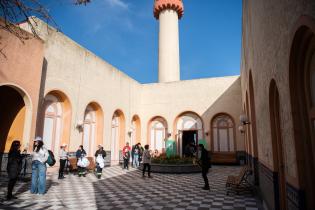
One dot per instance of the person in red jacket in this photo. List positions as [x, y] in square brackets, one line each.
[126, 155]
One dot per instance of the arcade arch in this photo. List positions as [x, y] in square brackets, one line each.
[188, 129]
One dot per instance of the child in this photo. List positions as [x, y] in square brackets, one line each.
[126, 156]
[146, 161]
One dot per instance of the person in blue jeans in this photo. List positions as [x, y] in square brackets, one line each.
[135, 152]
[39, 157]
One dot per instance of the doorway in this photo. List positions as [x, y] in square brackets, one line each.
[189, 137]
[277, 146]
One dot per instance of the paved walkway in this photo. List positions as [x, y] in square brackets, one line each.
[121, 189]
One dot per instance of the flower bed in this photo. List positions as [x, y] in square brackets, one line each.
[173, 165]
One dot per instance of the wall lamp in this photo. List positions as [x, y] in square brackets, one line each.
[79, 125]
[130, 131]
[244, 119]
[241, 129]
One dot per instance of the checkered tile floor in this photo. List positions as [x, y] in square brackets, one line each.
[122, 189]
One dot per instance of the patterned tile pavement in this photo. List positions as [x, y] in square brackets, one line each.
[122, 189]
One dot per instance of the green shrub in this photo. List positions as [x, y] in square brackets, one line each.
[163, 159]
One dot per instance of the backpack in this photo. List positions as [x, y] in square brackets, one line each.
[51, 158]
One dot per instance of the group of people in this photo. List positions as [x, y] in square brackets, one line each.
[135, 152]
[138, 155]
[40, 155]
[83, 162]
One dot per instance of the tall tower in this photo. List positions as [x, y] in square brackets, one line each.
[168, 12]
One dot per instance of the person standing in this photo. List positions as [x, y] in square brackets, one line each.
[14, 167]
[132, 155]
[135, 158]
[80, 154]
[204, 163]
[63, 155]
[100, 155]
[146, 161]
[141, 150]
[126, 155]
[39, 157]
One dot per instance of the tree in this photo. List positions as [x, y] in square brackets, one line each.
[15, 11]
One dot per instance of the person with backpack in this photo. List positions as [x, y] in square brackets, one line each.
[100, 155]
[39, 157]
[80, 154]
[63, 156]
[14, 167]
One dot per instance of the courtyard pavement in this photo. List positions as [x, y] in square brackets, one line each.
[122, 189]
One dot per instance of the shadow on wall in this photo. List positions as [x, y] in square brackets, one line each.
[232, 97]
[41, 99]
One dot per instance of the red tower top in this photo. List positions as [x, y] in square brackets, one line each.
[161, 5]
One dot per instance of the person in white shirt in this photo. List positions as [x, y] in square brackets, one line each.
[39, 157]
[63, 156]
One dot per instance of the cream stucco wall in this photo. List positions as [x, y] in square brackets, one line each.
[206, 97]
[268, 30]
[83, 78]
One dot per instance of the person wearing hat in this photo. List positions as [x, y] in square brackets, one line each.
[63, 156]
[100, 154]
[39, 157]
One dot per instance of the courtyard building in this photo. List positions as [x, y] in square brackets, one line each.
[54, 88]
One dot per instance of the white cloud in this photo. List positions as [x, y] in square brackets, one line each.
[118, 3]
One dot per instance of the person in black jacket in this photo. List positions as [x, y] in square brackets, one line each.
[204, 163]
[80, 153]
[99, 168]
[14, 167]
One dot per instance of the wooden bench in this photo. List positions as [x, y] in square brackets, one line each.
[73, 164]
[223, 158]
[239, 183]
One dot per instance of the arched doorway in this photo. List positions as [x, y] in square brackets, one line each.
[223, 139]
[56, 121]
[277, 145]
[157, 133]
[252, 120]
[92, 128]
[117, 136]
[188, 129]
[135, 135]
[302, 90]
[16, 117]
[249, 132]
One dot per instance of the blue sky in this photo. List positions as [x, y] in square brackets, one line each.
[125, 34]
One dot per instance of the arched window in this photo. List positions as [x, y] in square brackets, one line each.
[135, 136]
[223, 138]
[89, 130]
[52, 123]
[115, 137]
[118, 135]
[158, 128]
